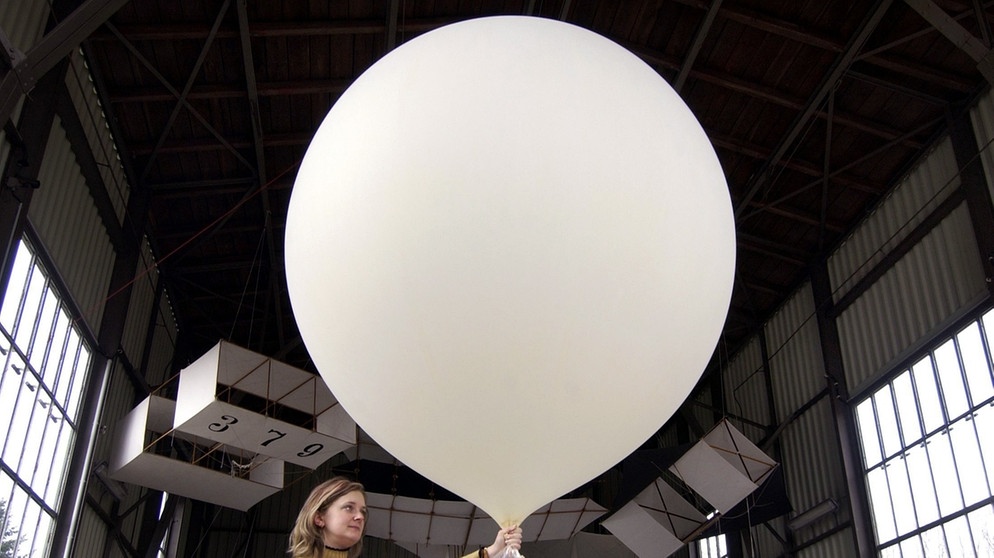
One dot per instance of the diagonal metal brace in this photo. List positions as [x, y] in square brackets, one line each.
[957, 34]
[28, 68]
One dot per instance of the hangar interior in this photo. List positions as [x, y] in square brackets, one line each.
[148, 153]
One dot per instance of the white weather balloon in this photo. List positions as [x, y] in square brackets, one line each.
[510, 251]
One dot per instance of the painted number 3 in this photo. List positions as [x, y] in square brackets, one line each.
[228, 420]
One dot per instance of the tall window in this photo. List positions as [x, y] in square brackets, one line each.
[928, 450]
[44, 367]
[712, 547]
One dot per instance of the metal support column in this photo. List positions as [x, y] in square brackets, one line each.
[976, 191]
[845, 421]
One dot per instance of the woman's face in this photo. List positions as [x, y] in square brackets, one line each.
[342, 523]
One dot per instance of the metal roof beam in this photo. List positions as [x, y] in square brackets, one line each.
[181, 98]
[260, 157]
[830, 80]
[28, 68]
[695, 47]
[957, 34]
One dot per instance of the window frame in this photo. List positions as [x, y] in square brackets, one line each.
[47, 355]
[894, 446]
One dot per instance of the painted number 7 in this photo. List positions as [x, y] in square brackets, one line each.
[273, 439]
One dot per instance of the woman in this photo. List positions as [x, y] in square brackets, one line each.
[332, 522]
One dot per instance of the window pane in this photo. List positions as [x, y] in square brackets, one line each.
[7, 525]
[966, 453]
[958, 537]
[10, 386]
[710, 548]
[37, 423]
[45, 322]
[891, 552]
[983, 420]
[15, 518]
[887, 419]
[79, 360]
[912, 548]
[988, 327]
[982, 528]
[900, 494]
[922, 485]
[29, 529]
[54, 365]
[951, 380]
[19, 421]
[946, 484]
[67, 369]
[29, 309]
[978, 373]
[934, 542]
[928, 395]
[15, 286]
[868, 433]
[43, 535]
[60, 457]
[907, 409]
[883, 515]
[49, 453]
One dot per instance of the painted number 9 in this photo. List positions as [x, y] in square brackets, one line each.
[310, 450]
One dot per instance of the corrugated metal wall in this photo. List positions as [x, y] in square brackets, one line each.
[812, 460]
[808, 447]
[119, 399]
[142, 307]
[23, 21]
[764, 543]
[798, 368]
[835, 546]
[89, 539]
[668, 438]
[942, 274]
[982, 117]
[160, 362]
[744, 383]
[746, 395]
[706, 413]
[931, 182]
[79, 82]
[64, 216]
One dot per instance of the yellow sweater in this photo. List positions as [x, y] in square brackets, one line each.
[329, 553]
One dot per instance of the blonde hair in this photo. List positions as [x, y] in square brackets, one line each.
[305, 539]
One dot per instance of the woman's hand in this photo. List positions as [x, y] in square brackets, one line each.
[508, 537]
